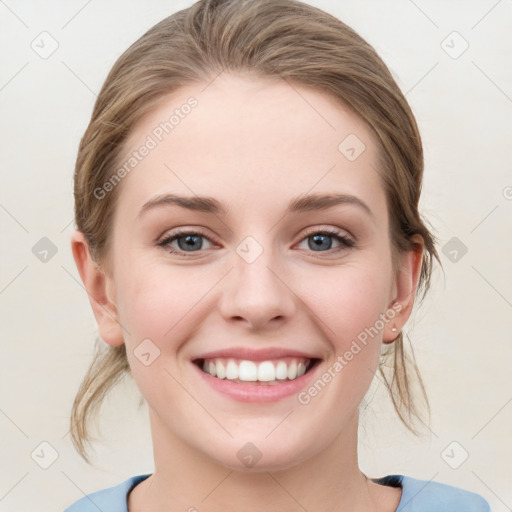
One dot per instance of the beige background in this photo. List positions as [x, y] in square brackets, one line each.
[462, 335]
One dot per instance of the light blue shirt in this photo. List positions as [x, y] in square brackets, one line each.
[417, 496]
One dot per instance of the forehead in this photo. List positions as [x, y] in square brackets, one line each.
[250, 142]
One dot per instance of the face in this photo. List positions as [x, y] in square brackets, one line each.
[264, 271]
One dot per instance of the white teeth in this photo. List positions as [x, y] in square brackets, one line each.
[247, 370]
[292, 370]
[231, 370]
[266, 371]
[251, 371]
[221, 370]
[281, 370]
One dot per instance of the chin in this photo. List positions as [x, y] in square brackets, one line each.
[265, 457]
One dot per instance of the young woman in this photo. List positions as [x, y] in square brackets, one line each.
[246, 201]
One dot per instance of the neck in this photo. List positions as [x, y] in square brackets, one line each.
[187, 480]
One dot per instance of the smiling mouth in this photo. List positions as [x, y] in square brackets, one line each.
[271, 372]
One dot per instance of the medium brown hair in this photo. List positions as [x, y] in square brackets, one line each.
[283, 39]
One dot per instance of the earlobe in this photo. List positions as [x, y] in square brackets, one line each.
[406, 284]
[97, 284]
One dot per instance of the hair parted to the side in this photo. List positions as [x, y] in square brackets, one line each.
[281, 39]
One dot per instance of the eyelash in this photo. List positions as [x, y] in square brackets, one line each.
[346, 243]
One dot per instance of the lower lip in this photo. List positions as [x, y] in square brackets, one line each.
[257, 392]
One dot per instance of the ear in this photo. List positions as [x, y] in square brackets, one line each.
[97, 284]
[405, 286]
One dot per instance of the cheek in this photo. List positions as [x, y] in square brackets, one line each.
[347, 299]
[158, 312]
[160, 307]
[347, 305]
[349, 302]
[154, 295]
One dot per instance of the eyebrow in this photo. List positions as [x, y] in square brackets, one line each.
[299, 204]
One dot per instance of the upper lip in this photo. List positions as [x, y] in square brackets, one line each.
[252, 354]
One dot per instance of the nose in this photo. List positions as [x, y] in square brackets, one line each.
[258, 294]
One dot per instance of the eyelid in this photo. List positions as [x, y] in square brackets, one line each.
[328, 230]
[165, 240]
[346, 242]
[199, 231]
[185, 231]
